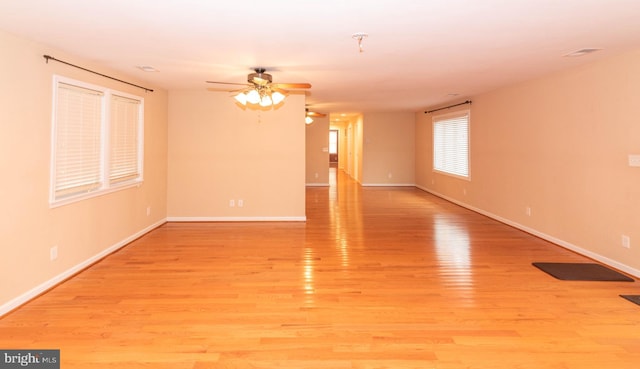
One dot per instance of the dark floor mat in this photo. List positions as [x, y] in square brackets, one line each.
[633, 298]
[582, 272]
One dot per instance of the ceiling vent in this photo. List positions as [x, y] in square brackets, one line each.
[581, 52]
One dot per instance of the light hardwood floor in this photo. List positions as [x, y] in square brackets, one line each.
[376, 278]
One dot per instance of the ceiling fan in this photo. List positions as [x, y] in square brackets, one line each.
[261, 90]
[315, 114]
[309, 115]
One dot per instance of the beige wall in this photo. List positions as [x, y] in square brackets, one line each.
[350, 152]
[558, 145]
[317, 152]
[358, 149]
[219, 152]
[352, 147]
[82, 231]
[388, 150]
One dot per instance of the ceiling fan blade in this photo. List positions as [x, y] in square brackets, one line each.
[229, 83]
[213, 89]
[277, 89]
[292, 85]
[315, 114]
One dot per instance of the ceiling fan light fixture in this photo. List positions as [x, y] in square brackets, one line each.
[261, 91]
[308, 120]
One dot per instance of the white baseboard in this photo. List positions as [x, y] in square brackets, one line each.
[43, 287]
[569, 246]
[319, 184]
[237, 219]
[388, 185]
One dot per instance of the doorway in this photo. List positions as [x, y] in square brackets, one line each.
[333, 147]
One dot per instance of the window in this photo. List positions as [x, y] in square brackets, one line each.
[451, 144]
[96, 141]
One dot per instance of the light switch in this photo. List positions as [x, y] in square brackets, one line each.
[634, 160]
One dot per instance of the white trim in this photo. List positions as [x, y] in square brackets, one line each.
[388, 185]
[569, 246]
[468, 179]
[43, 287]
[237, 219]
[318, 184]
[115, 188]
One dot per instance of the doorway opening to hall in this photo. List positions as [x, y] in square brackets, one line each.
[333, 148]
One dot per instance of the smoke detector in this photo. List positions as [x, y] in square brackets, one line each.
[359, 36]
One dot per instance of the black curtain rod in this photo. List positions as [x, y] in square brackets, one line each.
[447, 107]
[47, 57]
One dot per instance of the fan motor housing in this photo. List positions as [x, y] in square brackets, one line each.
[259, 75]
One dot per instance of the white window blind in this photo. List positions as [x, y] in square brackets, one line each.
[77, 166]
[124, 150]
[451, 144]
[97, 141]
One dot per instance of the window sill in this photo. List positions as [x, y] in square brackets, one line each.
[92, 194]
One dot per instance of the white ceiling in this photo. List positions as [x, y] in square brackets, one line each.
[418, 52]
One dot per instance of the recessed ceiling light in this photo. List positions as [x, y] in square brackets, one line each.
[581, 52]
[147, 68]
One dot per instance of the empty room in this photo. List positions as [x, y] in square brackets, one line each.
[320, 184]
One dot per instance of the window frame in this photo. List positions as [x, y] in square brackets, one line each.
[447, 117]
[105, 185]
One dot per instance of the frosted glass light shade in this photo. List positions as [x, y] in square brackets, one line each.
[277, 97]
[264, 97]
[253, 97]
[241, 98]
[265, 101]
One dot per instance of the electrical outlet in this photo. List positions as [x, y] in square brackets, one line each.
[148, 210]
[527, 211]
[390, 175]
[240, 203]
[232, 203]
[634, 160]
[626, 242]
[53, 253]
